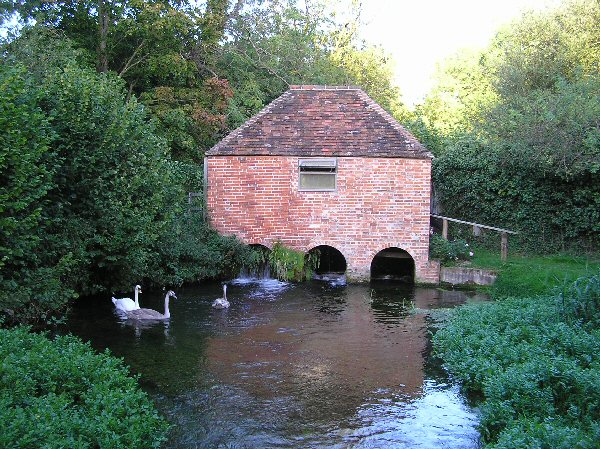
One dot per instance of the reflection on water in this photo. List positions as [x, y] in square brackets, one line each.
[314, 365]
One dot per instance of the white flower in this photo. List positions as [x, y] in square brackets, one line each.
[471, 253]
[466, 244]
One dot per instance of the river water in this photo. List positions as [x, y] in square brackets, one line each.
[311, 365]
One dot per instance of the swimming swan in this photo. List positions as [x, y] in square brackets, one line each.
[149, 314]
[221, 303]
[127, 304]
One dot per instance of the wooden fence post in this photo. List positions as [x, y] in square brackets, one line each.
[445, 228]
[504, 246]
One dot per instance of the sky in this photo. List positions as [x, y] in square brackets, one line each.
[420, 33]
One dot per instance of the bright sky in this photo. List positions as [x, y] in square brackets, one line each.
[420, 33]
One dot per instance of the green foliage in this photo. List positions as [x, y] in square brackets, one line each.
[446, 251]
[113, 179]
[517, 130]
[537, 370]
[28, 175]
[495, 185]
[191, 251]
[94, 182]
[24, 141]
[462, 92]
[59, 393]
[290, 265]
[191, 119]
[581, 301]
[529, 275]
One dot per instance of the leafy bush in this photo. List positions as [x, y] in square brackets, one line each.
[57, 394]
[445, 250]
[27, 177]
[538, 373]
[581, 301]
[191, 251]
[88, 174]
[290, 265]
[492, 184]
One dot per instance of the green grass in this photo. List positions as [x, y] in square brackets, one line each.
[530, 275]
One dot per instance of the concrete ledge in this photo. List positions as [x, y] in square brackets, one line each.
[472, 276]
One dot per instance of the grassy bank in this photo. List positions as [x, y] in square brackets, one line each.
[529, 275]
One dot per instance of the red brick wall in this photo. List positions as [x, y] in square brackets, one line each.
[379, 203]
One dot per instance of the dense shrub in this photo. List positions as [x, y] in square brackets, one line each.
[498, 185]
[102, 190]
[60, 394]
[191, 251]
[445, 250]
[537, 370]
[86, 171]
[27, 177]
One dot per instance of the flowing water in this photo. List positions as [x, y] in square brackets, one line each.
[312, 365]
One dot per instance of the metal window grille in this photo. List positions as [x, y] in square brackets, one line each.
[318, 174]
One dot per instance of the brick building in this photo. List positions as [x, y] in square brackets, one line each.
[326, 167]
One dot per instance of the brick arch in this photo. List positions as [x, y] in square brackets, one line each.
[261, 243]
[398, 245]
[383, 246]
[314, 244]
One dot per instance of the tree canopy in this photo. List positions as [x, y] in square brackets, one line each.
[91, 198]
[516, 128]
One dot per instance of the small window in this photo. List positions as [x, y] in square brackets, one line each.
[318, 174]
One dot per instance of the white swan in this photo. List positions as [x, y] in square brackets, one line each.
[149, 314]
[127, 304]
[221, 303]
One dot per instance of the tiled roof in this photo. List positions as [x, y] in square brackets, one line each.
[322, 121]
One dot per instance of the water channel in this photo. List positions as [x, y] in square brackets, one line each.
[312, 365]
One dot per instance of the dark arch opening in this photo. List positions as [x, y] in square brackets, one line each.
[262, 269]
[393, 264]
[331, 260]
[260, 247]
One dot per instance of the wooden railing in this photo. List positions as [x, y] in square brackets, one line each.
[503, 232]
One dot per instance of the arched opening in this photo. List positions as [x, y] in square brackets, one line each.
[393, 264]
[259, 247]
[330, 260]
[260, 269]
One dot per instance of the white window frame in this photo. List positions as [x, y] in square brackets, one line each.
[329, 166]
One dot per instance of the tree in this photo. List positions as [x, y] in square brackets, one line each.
[524, 150]
[461, 94]
[105, 192]
[276, 44]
